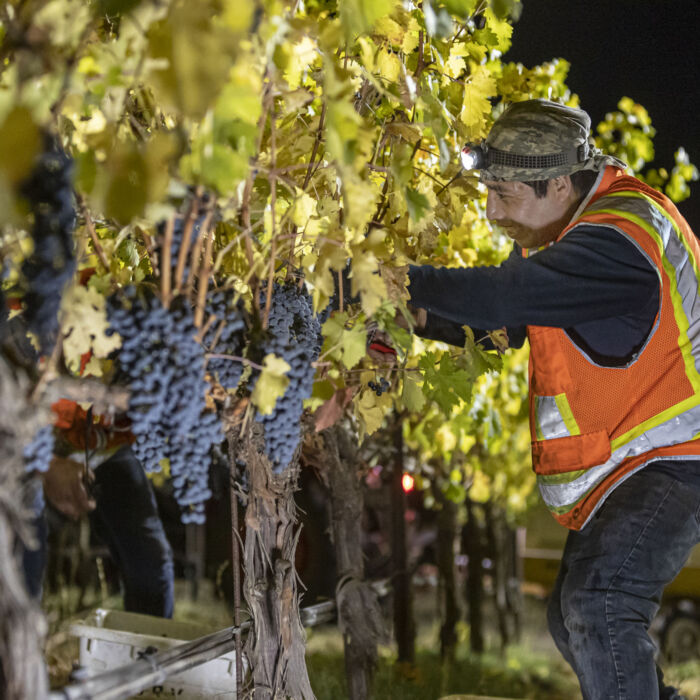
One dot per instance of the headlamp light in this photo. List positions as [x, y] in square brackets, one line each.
[473, 156]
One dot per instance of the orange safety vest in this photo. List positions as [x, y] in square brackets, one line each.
[594, 426]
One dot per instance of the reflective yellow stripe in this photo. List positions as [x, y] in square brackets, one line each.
[678, 310]
[670, 219]
[563, 478]
[562, 510]
[567, 414]
[652, 422]
[529, 252]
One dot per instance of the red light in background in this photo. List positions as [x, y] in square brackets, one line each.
[407, 482]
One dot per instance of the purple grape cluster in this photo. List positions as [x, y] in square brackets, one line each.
[38, 453]
[294, 334]
[163, 365]
[379, 387]
[49, 191]
[225, 340]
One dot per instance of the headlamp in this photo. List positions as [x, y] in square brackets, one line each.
[473, 156]
[477, 156]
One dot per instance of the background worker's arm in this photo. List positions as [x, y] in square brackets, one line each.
[65, 488]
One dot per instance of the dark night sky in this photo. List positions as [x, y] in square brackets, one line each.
[644, 49]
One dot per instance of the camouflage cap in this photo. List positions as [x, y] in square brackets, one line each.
[540, 140]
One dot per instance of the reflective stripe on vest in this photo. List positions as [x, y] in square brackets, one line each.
[554, 417]
[679, 265]
[561, 492]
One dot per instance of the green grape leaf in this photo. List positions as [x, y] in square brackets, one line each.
[359, 16]
[20, 142]
[412, 396]
[460, 8]
[445, 383]
[349, 345]
[191, 57]
[417, 204]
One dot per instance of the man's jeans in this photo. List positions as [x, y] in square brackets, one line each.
[612, 575]
[126, 518]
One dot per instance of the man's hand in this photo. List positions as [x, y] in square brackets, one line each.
[64, 487]
[419, 317]
[380, 349]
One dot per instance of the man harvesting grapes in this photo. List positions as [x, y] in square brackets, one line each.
[603, 281]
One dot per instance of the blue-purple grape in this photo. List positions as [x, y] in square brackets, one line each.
[163, 365]
[38, 453]
[294, 334]
[225, 337]
[52, 262]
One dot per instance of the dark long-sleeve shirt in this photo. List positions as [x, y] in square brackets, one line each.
[594, 283]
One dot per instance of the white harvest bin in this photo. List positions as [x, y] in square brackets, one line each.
[113, 638]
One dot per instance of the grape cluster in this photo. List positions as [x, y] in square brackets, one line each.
[294, 334]
[38, 453]
[163, 365]
[3, 315]
[226, 339]
[379, 387]
[52, 263]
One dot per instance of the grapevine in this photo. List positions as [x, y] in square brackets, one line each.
[294, 334]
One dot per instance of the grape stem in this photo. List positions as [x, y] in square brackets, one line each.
[309, 173]
[234, 358]
[185, 245]
[51, 369]
[90, 226]
[273, 203]
[247, 192]
[165, 259]
[205, 270]
[151, 252]
[205, 328]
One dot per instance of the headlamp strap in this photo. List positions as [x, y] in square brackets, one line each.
[537, 162]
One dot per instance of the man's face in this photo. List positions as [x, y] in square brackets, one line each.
[531, 221]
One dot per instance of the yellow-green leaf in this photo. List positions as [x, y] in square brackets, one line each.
[476, 106]
[19, 144]
[372, 409]
[412, 396]
[84, 323]
[271, 384]
[388, 65]
[349, 344]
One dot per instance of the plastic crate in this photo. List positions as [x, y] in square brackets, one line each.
[112, 638]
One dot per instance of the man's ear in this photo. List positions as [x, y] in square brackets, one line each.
[562, 188]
